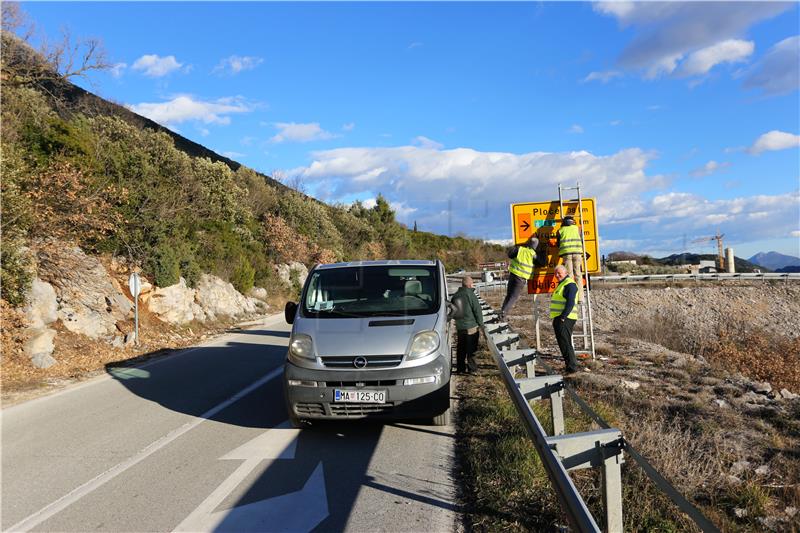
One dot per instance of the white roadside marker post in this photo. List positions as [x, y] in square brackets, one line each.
[135, 285]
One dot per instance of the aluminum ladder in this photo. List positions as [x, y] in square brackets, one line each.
[585, 302]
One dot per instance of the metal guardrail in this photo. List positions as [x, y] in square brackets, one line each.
[698, 277]
[559, 452]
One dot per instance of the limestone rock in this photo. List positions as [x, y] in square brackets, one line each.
[175, 304]
[42, 360]
[220, 298]
[39, 347]
[630, 385]
[285, 272]
[762, 387]
[42, 305]
[787, 395]
[260, 293]
[89, 303]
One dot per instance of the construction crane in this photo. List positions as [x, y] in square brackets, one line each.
[718, 237]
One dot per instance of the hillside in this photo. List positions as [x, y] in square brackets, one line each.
[742, 265]
[81, 169]
[775, 261]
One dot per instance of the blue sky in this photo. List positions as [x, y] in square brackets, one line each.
[681, 118]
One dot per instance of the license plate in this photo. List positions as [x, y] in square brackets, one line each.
[359, 396]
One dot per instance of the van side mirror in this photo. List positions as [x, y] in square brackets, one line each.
[455, 309]
[289, 312]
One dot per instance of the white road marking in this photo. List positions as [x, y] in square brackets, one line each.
[76, 494]
[310, 503]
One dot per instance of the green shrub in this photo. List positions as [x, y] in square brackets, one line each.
[16, 272]
[243, 276]
[165, 265]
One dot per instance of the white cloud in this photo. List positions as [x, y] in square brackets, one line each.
[349, 126]
[468, 190]
[415, 44]
[118, 69]
[247, 140]
[156, 66]
[482, 183]
[774, 140]
[708, 169]
[615, 122]
[294, 132]
[795, 233]
[429, 144]
[205, 132]
[576, 128]
[703, 60]
[186, 108]
[234, 64]
[232, 155]
[778, 72]
[604, 76]
[668, 32]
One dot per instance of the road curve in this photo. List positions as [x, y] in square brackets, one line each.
[198, 441]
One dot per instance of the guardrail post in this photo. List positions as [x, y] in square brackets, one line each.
[612, 487]
[594, 449]
[557, 409]
[536, 388]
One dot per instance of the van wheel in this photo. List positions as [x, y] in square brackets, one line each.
[442, 419]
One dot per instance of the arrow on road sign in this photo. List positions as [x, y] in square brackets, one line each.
[525, 226]
[302, 510]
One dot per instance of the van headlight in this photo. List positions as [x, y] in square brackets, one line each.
[424, 343]
[301, 347]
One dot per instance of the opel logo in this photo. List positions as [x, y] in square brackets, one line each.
[360, 362]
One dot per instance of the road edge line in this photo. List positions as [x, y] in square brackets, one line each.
[79, 492]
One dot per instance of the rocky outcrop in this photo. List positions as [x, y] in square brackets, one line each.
[218, 298]
[41, 306]
[175, 304]
[259, 293]
[211, 299]
[286, 270]
[41, 310]
[88, 301]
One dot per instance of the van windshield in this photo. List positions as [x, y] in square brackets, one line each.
[372, 291]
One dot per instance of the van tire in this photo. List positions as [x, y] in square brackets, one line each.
[442, 419]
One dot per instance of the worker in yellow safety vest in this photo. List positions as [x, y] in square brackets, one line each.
[564, 312]
[523, 260]
[570, 248]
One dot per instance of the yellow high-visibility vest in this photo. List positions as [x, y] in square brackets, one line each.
[559, 301]
[522, 265]
[569, 240]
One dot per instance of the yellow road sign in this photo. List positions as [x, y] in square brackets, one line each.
[543, 220]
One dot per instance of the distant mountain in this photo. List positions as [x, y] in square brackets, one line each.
[741, 265]
[789, 269]
[774, 260]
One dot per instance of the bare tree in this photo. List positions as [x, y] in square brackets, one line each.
[293, 181]
[64, 59]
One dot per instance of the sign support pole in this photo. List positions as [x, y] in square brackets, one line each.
[536, 323]
[136, 318]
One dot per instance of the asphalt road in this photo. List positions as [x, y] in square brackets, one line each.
[198, 441]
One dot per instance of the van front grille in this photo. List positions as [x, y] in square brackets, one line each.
[310, 409]
[360, 409]
[372, 361]
[373, 383]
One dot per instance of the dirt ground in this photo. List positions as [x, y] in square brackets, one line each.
[693, 376]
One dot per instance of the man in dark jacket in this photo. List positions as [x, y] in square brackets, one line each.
[467, 327]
